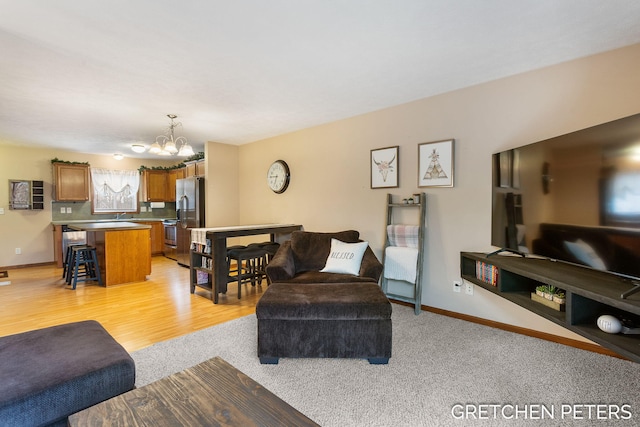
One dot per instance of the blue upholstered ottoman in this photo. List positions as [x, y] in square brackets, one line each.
[337, 320]
[48, 374]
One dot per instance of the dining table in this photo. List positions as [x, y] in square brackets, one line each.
[215, 240]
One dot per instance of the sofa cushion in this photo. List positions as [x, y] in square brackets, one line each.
[48, 374]
[345, 258]
[319, 277]
[323, 301]
[311, 249]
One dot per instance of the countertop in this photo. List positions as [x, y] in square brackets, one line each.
[109, 226]
[86, 221]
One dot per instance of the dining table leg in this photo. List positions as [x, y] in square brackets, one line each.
[220, 273]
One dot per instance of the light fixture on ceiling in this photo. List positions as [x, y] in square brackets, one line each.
[118, 156]
[138, 148]
[169, 145]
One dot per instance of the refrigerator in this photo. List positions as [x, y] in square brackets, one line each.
[189, 214]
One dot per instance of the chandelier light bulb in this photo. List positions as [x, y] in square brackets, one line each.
[186, 150]
[155, 148]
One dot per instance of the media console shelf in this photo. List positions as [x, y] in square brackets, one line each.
[589, 294]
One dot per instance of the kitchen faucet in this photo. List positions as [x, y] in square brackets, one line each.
[120, 215]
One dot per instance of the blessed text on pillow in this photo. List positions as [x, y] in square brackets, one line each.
[345, 258]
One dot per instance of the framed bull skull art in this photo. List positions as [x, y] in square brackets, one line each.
[384, 167]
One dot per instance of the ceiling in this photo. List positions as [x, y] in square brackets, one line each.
[96, 76]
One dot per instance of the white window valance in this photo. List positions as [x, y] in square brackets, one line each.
[115, 190]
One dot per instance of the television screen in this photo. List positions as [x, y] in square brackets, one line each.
[573, 198]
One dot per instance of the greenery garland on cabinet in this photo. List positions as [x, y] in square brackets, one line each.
[57, 160]
[195, 157]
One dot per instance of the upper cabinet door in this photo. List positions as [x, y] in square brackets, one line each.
[71, 182]
[154, 185]
[173, 175]
[195, 168]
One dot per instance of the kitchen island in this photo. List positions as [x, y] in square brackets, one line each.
[123, 248]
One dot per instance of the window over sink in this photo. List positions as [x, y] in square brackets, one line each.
[114, 191]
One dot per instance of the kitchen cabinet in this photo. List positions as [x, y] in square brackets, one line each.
[157, 236]
[172, 176]
[71, 182]
[190, 170]
[195, 168]
[200, 169]
[57, 245]
[154, 185]
[159, 185]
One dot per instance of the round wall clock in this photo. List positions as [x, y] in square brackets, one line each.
[278, 176]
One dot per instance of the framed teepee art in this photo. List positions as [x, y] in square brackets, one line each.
[435, 164]
[384, 167]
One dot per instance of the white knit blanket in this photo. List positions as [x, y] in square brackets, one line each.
[401, 263]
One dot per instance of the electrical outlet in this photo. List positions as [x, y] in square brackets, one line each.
[18, 251]
[69, 210]
[63, 210]
[468, 288]
[1, 211]
[457, 285]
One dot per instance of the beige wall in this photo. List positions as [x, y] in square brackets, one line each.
[221, 200]
[329, 164]
[31, 231]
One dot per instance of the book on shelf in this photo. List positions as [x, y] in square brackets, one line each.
[204, 248]
[206, 263]
[488, 273]
[202, 278]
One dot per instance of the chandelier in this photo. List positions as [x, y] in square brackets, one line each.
[169, 145]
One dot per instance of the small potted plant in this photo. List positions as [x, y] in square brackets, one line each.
[548, 294]
[559, 297]
[540, 290]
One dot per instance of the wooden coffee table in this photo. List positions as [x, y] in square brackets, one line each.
[211, 393]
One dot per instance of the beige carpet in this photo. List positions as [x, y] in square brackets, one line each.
[443, 372]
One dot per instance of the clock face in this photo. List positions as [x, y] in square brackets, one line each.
[278, 176]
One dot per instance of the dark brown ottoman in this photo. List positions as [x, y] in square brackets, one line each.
[48, 374]
[341, 320]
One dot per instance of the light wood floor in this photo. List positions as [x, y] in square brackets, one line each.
[136, 314]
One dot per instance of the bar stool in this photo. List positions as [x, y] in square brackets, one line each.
[248, 260]
[270, 249]
[83, 265]
[228, 259]
[67, 259]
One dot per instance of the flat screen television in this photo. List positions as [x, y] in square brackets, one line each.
[573, 198]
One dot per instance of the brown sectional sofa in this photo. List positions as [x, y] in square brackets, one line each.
[300, 260]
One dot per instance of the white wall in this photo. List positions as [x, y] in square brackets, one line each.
[329, 164]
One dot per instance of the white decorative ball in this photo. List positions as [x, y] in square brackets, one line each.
[609, 323]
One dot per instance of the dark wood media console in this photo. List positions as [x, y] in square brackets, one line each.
[589, 294]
